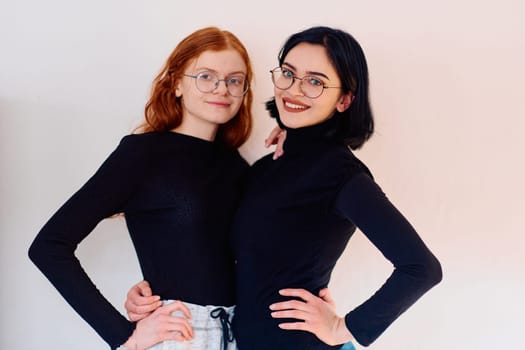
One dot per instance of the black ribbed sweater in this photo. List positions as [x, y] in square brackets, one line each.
[294, 222]
[178, 194]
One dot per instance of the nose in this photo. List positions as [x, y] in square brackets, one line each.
[221, 89]
[297, 86]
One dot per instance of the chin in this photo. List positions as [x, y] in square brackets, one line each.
[294, 122]
[221, 119]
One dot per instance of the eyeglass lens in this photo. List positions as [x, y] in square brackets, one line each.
[311, 86]
[209, 81]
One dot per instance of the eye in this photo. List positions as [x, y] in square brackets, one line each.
[287, 73]
[236, 80]
[206, 76]
[313, 81]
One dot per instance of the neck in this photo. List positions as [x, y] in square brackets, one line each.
[203, 131]
[312, 136]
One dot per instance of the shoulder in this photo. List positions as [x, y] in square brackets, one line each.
[262, 162]
[341, 157]
[233, 162]
[140, 141]
[239, 160]
[136, 148]
[146, 144]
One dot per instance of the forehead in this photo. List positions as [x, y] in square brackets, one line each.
[224, 61]
[307, 58]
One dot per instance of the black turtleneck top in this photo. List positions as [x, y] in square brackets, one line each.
[294, 222]
[178, 194]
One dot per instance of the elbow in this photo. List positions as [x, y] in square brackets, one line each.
[40, 252]
[434, 272]
[426, 271]
[36, 253]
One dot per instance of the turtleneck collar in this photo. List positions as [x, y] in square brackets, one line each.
[308, 136]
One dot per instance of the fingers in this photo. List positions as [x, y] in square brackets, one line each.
[175, 324]
[162, 325]
[144, 288]
[177, 306]
[133, 307]
[297, 314]
[141, 294]
[272, 139]
[289, 304]
[140, 302]
[279, 149]
[276, 137]
[326, 296]
[300, 326]
[299, 293]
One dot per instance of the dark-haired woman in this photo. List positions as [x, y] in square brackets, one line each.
[300, 210]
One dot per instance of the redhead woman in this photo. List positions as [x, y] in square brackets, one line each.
[177, 181]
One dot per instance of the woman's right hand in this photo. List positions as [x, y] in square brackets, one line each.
[140, 302]
[276, 137]
[160, 326]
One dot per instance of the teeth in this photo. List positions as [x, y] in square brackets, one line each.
[294, 106]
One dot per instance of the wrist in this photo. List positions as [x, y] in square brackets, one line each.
[342, 333]
[130, 344]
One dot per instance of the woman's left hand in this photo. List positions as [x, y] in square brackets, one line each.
[317, 315]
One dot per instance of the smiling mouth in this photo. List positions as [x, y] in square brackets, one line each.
[294, 107]
[219, 104]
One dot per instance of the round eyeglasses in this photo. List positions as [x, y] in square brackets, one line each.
[206, 82]
[311, 85]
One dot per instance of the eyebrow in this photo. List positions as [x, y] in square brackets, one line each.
[307, 72]
[214, 71]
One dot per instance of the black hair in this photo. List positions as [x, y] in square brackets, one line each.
[356, 124]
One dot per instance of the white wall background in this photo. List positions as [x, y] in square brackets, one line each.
[447, 85]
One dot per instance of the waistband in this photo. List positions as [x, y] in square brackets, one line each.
[207, 317]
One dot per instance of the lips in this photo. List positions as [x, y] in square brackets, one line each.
[219, 104]
[294, 106]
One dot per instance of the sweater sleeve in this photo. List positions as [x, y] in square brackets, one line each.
[416, 269]
[52, 251]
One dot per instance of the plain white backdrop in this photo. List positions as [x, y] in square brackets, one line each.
[447, 87]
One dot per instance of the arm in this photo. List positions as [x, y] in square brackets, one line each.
[104, 195]
[416, 269]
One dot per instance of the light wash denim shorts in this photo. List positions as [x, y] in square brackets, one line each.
[347, 346]
[211, 329]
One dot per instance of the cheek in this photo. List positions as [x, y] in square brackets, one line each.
[278, 99]
[277, 93]
[237, 105]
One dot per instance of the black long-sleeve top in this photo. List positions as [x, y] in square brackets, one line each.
[294, 222]
[178, 194]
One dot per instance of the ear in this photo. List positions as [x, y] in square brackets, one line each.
[178, 89]
[344, 102]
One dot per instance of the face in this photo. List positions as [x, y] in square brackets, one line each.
[295, 109]
[210, 109]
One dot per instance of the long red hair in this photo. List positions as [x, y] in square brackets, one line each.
[163, 112]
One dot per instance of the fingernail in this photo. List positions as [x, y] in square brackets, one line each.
[272, 307]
